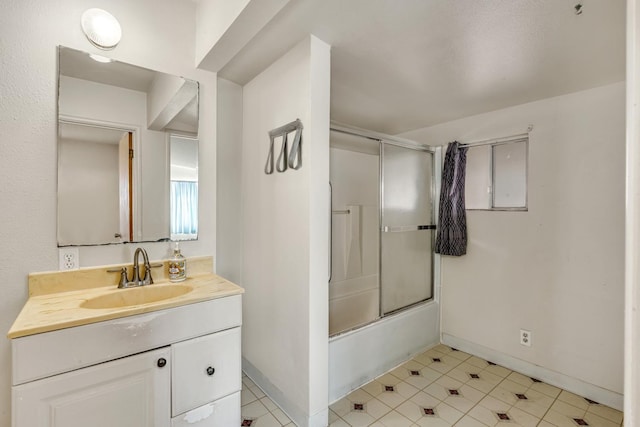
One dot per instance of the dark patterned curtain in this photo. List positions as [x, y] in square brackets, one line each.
[452, 230]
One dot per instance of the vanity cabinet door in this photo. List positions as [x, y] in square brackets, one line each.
[205, 369]
[129, 392]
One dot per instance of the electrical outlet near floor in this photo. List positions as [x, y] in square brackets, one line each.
[69, 258]
[525, 337]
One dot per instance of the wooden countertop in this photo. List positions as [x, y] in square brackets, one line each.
[52, 305]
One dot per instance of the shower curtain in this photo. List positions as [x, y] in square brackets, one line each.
[452, 231]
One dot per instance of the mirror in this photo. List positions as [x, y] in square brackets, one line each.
[127, 153]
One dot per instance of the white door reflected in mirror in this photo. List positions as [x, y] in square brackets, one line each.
[94, 184]
[184, 188]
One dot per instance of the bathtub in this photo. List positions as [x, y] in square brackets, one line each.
[360, 355]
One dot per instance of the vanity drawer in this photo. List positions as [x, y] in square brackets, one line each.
[205, 369]
[43, 355]
[221, 413]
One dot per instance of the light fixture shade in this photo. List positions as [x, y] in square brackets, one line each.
[101, 28]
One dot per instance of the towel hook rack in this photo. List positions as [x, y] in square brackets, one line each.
[286, 159]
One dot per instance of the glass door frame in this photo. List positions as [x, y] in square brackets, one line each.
[434, 151]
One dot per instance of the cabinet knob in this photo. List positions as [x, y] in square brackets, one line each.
[162, 362]
[210, 371]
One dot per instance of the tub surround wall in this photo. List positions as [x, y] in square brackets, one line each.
[284, 235]
[31, 30]
[354, 294]
[556, 270]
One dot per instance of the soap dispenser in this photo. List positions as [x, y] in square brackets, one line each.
[177, 265]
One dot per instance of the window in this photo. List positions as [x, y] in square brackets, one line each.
[496, 176]
[184, 210]
[183, 187]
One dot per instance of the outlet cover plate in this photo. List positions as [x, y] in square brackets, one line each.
[69, 258]
[525, 337]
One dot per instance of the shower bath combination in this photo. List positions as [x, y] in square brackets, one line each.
[383, 208]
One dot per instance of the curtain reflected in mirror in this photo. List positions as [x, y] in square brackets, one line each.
[184, 188]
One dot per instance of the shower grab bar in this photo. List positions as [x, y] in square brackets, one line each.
[401, 228]
[344, 212]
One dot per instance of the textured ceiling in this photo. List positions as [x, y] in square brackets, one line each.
[398, 65]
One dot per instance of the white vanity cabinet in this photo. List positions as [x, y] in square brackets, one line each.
[129, 392]
[174, 367]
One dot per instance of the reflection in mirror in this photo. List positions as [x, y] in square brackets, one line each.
[117, 127]
[184, 188]
[89, 158]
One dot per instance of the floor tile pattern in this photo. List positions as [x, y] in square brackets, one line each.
[258, 410]
[444, 387]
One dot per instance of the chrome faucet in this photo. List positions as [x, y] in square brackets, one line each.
[135, 280]
[135, 276]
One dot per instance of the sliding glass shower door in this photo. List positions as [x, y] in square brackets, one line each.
[382, 232]
[407, 226]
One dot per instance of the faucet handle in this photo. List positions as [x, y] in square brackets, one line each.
[148, 280]
[123, 276]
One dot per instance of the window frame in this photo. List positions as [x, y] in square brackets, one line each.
[492, 173]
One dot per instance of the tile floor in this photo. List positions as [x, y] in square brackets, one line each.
[258, 410]
[445, 387]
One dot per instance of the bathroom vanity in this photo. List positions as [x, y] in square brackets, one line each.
[170, 362]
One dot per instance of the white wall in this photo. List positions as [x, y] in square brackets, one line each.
[91, 100]
[285, 235]
[229, 178]
[30, 31]
[556, 270]
[224, 27]
[214, 17]
[632, 221]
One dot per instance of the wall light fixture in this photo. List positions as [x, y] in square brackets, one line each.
[101, 28]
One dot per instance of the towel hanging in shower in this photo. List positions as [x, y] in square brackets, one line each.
[452, 231]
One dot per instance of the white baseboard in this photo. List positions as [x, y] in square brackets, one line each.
[574, 385]
[295, 413]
